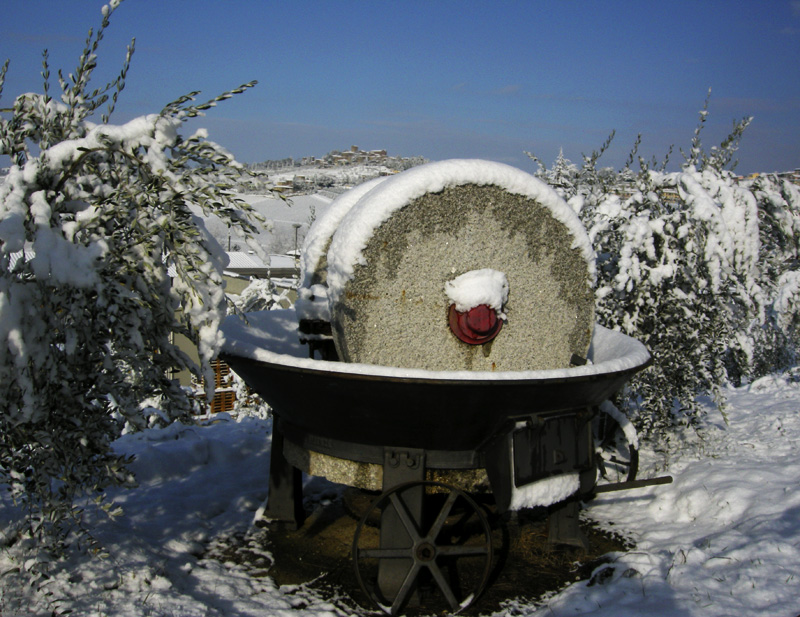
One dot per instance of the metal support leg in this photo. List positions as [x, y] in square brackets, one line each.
[400, 467]
[564, 526]
[285, 500]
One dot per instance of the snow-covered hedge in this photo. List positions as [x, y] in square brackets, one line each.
[103, 259]
[698, 265]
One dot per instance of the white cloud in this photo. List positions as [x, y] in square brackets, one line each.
[509, 90]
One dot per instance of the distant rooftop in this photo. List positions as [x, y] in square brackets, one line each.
[249, 264]
[239, 260]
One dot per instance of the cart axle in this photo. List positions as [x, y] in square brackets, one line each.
[624, 486]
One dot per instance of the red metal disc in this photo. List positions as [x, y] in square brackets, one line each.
[476, 326]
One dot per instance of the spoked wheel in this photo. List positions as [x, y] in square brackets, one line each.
[616, 446]
[441, 559]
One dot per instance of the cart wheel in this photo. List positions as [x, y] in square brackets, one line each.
[450, 550]
[616, 447]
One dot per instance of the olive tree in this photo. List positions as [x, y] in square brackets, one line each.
[103, 260]
[699, 264]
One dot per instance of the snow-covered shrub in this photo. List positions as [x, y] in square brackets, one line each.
[103, 258]
[248, 404]
[698, 265]
[779, 261]
[667, 275]
[260, 295]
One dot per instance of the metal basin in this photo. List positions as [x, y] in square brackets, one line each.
[385, 406]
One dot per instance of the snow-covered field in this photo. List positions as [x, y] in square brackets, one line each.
[283, 215]
[723, 539]
[299, 209]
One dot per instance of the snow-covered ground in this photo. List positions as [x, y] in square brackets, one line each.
[723, 539]
[298, 209]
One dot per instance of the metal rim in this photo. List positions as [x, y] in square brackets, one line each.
[324, 368]
[427, 549]
[617, 458]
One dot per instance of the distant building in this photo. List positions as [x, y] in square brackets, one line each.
[283, 186]
[243, 263]
[791, 176]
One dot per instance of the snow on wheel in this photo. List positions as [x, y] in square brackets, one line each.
[616, 446]
[397, 261]
[313, 311]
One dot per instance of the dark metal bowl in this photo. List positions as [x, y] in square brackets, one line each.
[381, 406]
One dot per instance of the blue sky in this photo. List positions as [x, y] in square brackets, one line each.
[443, 79]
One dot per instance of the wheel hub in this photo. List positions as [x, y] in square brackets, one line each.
[476, 326]
[425, 552]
